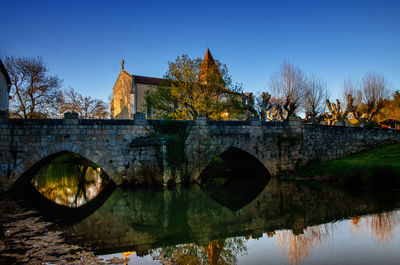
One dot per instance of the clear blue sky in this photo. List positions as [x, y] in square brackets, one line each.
[83, 42]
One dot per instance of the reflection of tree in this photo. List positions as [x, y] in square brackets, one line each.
[216, 252]
[298, 247]
[82, 184]
[380, 226]
[270, 234]
[70, 180]
[126, 255]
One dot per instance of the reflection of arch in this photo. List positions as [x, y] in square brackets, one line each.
[234, 178]
[61, 213]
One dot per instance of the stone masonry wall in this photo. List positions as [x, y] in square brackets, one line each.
[279, 146]
[125, 150]
[24, 143]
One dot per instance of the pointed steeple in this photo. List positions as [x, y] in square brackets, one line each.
[208, 57]
[209, 72]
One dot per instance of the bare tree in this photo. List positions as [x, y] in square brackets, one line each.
[249, 102]
[86, 107]
[314, 99]
[275, 110]
[337, 115]
[262, 105]
[111, 100]
[288, 87]
[367, 98]
[34, 93]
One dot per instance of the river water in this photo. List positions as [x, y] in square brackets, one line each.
[287, 223]
[275, 222]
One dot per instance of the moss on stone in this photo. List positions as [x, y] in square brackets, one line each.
[175, 134]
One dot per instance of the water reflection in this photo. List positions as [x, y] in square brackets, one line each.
[299, 217]
[314, 242]
[70, 180]
[215, 252]
[379, 226]
[299, 247]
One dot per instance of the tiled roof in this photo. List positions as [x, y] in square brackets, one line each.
[147, 80]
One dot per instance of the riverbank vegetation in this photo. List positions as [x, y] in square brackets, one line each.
[378, 168]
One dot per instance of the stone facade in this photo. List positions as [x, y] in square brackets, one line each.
[121, 104]
[129, 95]
[5, 85]
[125, 150]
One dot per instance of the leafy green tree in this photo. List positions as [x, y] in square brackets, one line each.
[191, 89]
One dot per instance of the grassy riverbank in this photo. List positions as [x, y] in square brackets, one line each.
[377, 168]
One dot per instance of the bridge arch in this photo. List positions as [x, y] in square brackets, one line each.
[245, 150]
[234, 178]
[239, 155]
[51, 209]
[34, 159]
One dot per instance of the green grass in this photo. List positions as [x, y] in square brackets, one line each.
[377, 168]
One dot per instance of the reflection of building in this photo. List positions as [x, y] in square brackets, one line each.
[129, 90]
[5, 85]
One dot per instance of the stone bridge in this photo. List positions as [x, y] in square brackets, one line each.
[131, 151]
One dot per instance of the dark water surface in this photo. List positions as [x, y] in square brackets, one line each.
[286, 224]
[243, 220]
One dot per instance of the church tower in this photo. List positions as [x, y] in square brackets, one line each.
[209, 73]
